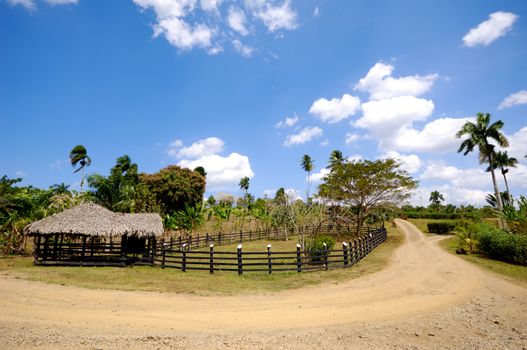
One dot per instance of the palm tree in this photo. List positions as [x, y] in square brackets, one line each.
[436, 197]
[79, 156]
[479, 134]
[307, 165]
[336, 158]
[61, 188]
[502, 160]
[244, 185]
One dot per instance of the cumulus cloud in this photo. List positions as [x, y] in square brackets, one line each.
[518, 144]
[335, 110]
[517, 98]
[236, 20]
[498, 25]
[383, 117]
[183, 35]
[210, 5]
[28, 4]
[306, 135]
[352, 138]
[380, 84]
[453, 195]
[244, 50]
[288, 122]
[411, 163]
[274, 17]
[318, 176]
[464, 178]
[201, 148]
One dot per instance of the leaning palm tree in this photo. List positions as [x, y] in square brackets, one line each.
[308, 165]
[479, 135]
[436, 197]
[336, 158]
[79, 156]
[503, 162]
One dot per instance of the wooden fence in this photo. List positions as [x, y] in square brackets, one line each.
[183, 258]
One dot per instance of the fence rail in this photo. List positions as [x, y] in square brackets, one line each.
[269, 261]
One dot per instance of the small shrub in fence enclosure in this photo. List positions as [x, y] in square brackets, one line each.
[440, 227]
[500, 245]
[315, 246]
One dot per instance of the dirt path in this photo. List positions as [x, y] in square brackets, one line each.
[425, 298]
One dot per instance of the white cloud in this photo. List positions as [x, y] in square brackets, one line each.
[201, 148]
[221, 171]
[62, 2]
[352, 138]
[303, 136]
[318, 176]
[383, 117]
[498, 24]
[335, 110]
[381, 85]
[470, 178]
[453, 195]
[275, 18]
[28, 4]
[437, 136]
[410, 163]
[316, 11]
[518, 144]
[236, 20]
[244, 50]
[517, 98]
[210, 5]
[287, 123]
[168, 8]
[182, 35]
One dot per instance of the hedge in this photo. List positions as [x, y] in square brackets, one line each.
[500, 245]
[440, 227]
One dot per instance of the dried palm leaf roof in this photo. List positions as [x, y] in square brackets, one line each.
[93, 220]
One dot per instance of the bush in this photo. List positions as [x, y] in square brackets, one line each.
[315, 247]
[440, 227]
[500, 245]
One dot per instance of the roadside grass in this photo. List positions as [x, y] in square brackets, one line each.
[146, 278]
[515, 273]
[422, 224]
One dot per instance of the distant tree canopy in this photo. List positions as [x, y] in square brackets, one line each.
[174, 187]
[366, 184]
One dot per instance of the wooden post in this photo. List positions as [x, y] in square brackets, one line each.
[55, 243]
[45, 255]
[241, 236]
[180, 242]
[351, 249]
[207, 239]
[197, 242]
[164, 252]
[240, 263]
[219, 238]
[345, 251]
[211, 259]
[184, 258]
[154, 250]
[171, 243]
[91, 245]
[298, 259]
[325, 255]
[123, 247]
[37, 248]
[60, 245]
[83, 254]
[250, 234]
[269, 259]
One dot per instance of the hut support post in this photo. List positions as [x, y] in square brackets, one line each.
[55, 246]
[37, 248]
[45, 253]
[60, 245]
[83, 254]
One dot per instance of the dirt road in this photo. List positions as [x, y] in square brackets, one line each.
[425, 298]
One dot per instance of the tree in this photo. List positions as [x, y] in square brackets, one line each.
[307, 165]
[436, 197]
[335, 159]
[479, 135]
[61, 188]
[244, 185]
[503, 161]
[79, 156]
[201, 171]
[366, 184]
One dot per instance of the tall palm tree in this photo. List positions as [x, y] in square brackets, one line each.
[79, 156]
[336, 158]
[502, 161]
[436, 197]
[479, 135]
[244, 185]
[308, 165]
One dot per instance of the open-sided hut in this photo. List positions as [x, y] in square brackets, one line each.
[89, 234]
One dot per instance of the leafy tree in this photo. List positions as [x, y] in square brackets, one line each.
[436, 197]
[201, 170]
[211, 201]
[280, 198]
[479, 135]
[189, 219]
[365, 185]
[79, 156]
[308, 165]
[336, 158]
[503, 162]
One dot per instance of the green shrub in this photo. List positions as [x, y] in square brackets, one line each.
[315, 246]
[440, 227]
[500, 245]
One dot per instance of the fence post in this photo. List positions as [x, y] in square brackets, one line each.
[351, 251]
[180, 242]
[184, 257]
[325, 255]
[240, 263]
[269, 260]
[207, 238]
[211, 260]
[241, 236]
[197, 243]
[171, 242]
[219, 238]
[345, 251]
[164, 252]
[298, 259]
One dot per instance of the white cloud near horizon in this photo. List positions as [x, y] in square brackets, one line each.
[498, 25]
[335, 110]
[305, 135]
[517, 98]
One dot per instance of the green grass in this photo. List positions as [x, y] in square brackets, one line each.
[145, 278]
[422, 224]
[515, 273]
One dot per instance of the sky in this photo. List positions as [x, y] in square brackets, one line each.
[247, 87]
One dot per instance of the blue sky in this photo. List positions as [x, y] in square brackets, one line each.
[246, 87]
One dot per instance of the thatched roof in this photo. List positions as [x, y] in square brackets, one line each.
[93, 220]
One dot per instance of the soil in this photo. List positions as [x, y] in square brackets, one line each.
[424, 299]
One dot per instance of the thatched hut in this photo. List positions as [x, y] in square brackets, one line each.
[89, 234]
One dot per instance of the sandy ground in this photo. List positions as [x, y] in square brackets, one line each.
[425, 299]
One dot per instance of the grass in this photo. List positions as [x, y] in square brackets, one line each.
[515, 273]
[422, 224]
[145, 278]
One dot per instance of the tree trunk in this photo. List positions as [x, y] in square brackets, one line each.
[506, 184]
[496, 190]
